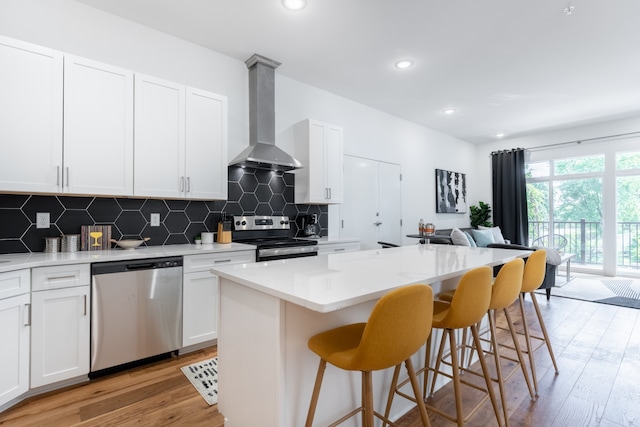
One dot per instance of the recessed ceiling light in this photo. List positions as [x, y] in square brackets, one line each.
[499, 135]
[294, 4]
[405, 63]
[449, 111]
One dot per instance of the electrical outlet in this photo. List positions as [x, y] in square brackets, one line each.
[155, 220]
[42, 219]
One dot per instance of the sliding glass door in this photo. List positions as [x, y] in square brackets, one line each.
[565, 203]
[590, 205]
[628, 211]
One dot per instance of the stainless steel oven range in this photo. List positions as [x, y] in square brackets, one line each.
[272, 237]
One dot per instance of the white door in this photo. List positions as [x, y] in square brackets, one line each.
[98, 128]
[390, 206]
[159, 138]
[30, 117]
[371, 210]
[14, 338]
[60, 335]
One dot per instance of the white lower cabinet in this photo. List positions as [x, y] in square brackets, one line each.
[200, 294]
[14, 357]
[60, 321]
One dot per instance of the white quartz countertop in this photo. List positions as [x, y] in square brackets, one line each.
[12, 262]
[330, 282]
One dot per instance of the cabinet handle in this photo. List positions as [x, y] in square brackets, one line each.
[67, 176]
[330, 193]
[188, 184]
[218, 261]
[28, 307]
[182, 184]
[58, 176]
[85, 304]
[339, 249]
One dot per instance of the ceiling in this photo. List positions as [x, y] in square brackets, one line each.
[515, 67]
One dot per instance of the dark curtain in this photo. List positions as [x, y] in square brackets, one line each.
[510, 195]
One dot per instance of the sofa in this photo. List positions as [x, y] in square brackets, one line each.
[491, 237]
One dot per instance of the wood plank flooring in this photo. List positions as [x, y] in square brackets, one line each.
[597, 347]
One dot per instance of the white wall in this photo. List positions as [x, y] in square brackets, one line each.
[81, 30]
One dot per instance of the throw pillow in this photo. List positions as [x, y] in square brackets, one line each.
[472, 242]
[458, 238]
[483, 237]
[497, 233]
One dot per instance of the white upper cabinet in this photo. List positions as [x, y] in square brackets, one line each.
[30, 117]
[159, 135]
[98, 128]
[319, 147]
[206, 153]
[180, 141]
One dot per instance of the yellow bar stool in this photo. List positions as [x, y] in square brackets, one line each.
[504, 292]
[469, 304]
[398, 326]
[534, 271]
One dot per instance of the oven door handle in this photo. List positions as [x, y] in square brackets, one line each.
[293, 250]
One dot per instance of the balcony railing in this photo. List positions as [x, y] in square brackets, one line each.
[584, 238]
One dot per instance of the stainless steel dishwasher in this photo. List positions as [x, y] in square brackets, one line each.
[136, 310]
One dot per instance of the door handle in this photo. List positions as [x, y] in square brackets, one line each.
[27, 308]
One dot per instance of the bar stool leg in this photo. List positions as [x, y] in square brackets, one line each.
[455, 368]
[485, 371]
[367, 399]
[525, 326]
[316, 392]
[416, 391]
[544, 330]
[514, 337]
[439, 359]
[496, 356]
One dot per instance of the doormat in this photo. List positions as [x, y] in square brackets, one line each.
[204, 377]
[621, 301]
[621, 287]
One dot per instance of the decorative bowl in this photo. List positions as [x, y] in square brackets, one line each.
[129, 244]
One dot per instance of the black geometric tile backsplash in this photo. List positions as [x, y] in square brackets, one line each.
[250, 192]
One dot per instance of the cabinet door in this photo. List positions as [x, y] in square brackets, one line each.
[60, 335]
[333, 163]
[14, 336]
[319, 147]
[206, 152]
[30, 117]
[200, 308]
[159, 138]
[98, 128]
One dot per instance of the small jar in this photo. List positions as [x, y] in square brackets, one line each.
[421, 227]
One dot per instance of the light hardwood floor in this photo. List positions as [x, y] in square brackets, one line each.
[597, 347]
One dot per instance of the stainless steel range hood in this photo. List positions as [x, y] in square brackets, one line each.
[262, 152]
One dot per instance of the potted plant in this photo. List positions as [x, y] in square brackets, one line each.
[480, 215]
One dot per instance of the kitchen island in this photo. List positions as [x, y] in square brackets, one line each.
[268, 311]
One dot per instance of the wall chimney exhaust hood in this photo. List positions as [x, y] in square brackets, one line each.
[262, 152]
